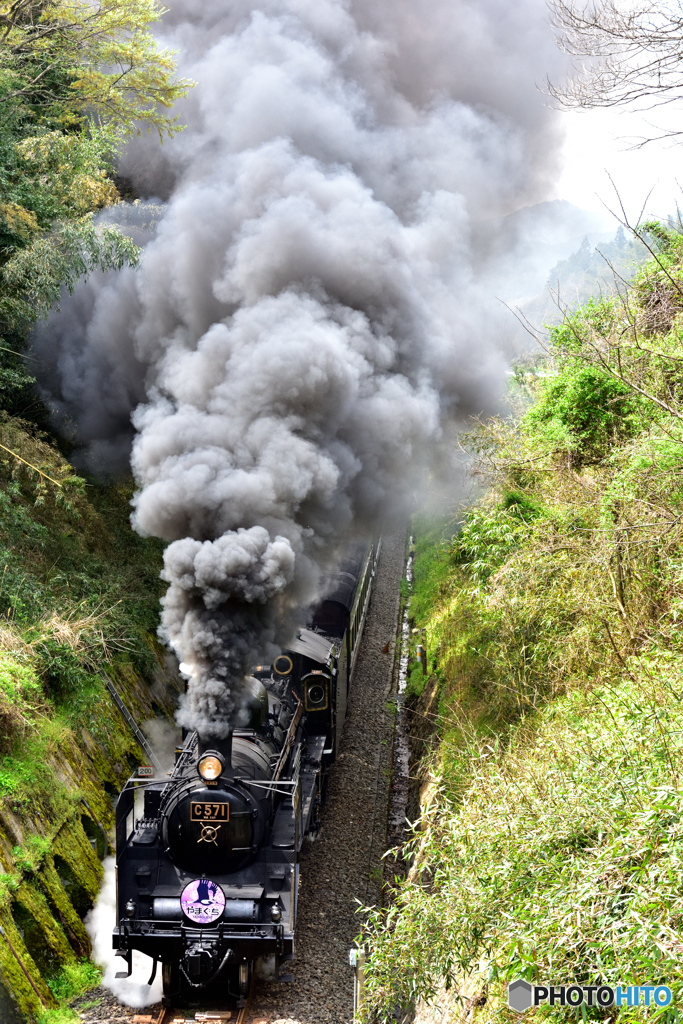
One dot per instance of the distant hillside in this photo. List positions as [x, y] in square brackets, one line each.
[594, 270]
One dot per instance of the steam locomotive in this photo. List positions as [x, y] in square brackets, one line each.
[208, 857]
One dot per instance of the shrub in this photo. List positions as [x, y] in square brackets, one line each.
[583, 412]
[563, 859]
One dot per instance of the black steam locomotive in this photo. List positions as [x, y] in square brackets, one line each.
[207, 858]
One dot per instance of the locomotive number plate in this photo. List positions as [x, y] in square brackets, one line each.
[205, 811]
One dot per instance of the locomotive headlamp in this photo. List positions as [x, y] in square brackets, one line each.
[210, 766]
[316, 694]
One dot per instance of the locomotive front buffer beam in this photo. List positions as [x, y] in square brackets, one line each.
[171, 945]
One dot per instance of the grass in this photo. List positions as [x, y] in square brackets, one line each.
[59, 1015]
[431, 562]
[553, 843]
[75, 979]
[72, 981]
[563, 858]
[78, 589]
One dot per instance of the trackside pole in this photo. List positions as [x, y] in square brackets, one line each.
[357, 961]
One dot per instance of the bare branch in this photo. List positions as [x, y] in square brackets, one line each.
[625, 55]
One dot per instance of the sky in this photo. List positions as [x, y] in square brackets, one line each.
[598, 146]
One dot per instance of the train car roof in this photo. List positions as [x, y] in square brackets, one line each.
[341, 586]
[312, 645]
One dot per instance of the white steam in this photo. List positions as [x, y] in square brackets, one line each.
[312, 308]
[164, 739]
[100, 923]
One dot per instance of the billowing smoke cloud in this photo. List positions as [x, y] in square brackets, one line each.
[212, 615]
[312, 307]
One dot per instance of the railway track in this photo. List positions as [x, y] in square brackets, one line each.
[168, 1015]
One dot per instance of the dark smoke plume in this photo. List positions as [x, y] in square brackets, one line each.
[312, 306]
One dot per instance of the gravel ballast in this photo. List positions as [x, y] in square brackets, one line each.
[343, 866]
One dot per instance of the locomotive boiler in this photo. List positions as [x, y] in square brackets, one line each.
[208, 857]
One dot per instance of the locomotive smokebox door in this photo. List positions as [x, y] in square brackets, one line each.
[210, 830]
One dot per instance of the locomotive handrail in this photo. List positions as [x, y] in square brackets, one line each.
[270, 786]
[289, 741]
[370, 569]
[136, 783]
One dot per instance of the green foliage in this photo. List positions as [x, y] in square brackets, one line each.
[29, 857]
[404, 589]
[24, 773]
[554, 838]
[50, 184]
[18, 683]
[578, 274]
[416, 681]
[60, 1015]
[583, 411]
[520, 505]
[78, 593]
[48, 175]
[76, 77]
[562, 860]
[487, 538]
[15, 775]
[62, 57]
[590, 272]
[17, 390]
[431, 556]
[665, 238]
[31, 281]
[8, 886]
[74, 979]
[431, 561]
[77, 588]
